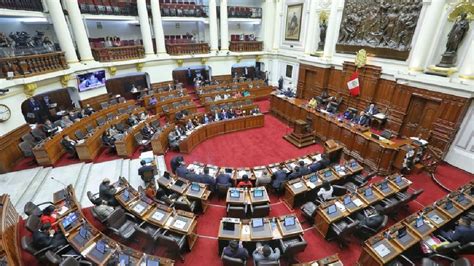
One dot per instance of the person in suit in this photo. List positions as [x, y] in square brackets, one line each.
[304, 170]
[192, 176]
[178, 131]
[189, 75]
[189, 125]
[264, 179]
[107, 139]
[196, 121]
[35, 108]
[295, 173]
[45, 237]
[69, 145]
[279, 177]
[245, 182]
[321, 164]
[348, 114]
[463, 232]
[371, 110]
[205, 119]
[49, 128]
[224, 178]
[216, 116]
[147, 131]
[236, 250]
[223, 115]
[132, 120]
[231, 113]
[175, 162]
[107, 193]
[265, 253]
[207, 179]
[326, 191]
[66, 121]
[143, 170]
[181, 170]
[361, 119]
[89, 110]
[173, 140]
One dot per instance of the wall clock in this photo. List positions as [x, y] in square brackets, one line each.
[5, 113]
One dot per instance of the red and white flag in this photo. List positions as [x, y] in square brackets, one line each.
[353, 84]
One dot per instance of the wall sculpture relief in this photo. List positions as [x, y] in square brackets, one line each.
[383, 28]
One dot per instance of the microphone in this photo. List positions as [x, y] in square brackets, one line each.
[58, 181]
[65, 193]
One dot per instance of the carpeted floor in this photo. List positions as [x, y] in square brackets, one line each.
[263, 146]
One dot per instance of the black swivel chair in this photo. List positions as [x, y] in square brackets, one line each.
[309, 211]
[174, 243]
[343, 229]
[260, 210]
[180, 205]
[34, 209]
[290, 247]
[122, 224]
[141, 141]
[79, 134]
[364, 232]
[26, 149]
[222, 190]
[458, 262]
[33, 223]
[229, 261]
[237, 211]
[268, 263]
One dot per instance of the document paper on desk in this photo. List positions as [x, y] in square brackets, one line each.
[382, 250]
[258, 173]
[242, 173]
[297, 185]
[179, 224]
[357, 202]
[246, 229]
[436, 219]
[138, 208]
[157, 216]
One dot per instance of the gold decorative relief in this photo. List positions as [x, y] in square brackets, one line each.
[30, 88]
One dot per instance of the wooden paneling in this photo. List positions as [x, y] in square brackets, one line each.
[11, 153]
[440, 121]
[95, 101]
[8, 231]
[123, 85]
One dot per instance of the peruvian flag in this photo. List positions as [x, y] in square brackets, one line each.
[353, 84]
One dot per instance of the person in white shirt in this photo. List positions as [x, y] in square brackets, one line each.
[325, 192]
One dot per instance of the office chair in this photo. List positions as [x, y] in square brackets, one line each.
[104, 105]
[110, 116]
[458, 262]
[268, 263]
[237, 211]
[309, 211]
[29, 138]
[101, 121]
[113, 101]
[260, 210]
[184, 206]
[38, 133]
[290, 247]
[122, 224]
[174, 243]
[27, 244]
[229, 261]
[121, 99]
[67, 260]
[122, 111]
[388, 206]
[343, 229]
[33, 209]
[26, 149]
[364, 231]
[222, 190]
[33, 223]
[141, 141]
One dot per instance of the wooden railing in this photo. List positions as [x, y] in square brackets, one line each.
[124, 8]
[8, 229]
[30, 5]
[187, 48]
[183, 10]
[245, 46]
[30, 65]
[121, 53]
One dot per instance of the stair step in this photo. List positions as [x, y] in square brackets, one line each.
[161, 164]
[135, 180]
[14, 183]
[81, 180]
[32, 189]
[96, 174]
[126, 169]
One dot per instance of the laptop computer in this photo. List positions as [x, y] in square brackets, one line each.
[332, 209]
[289, 221]
[368, 192]
[152, 262]
[229, 226]
[401, 232]
[100, 246]
[195, 187]
[257, 222]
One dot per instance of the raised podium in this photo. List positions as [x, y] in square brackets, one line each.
[302, 135]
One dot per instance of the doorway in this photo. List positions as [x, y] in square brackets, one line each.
[421, 114]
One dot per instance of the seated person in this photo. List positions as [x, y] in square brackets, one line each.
[361, 119]
[323, 98]
[370, 217]
[245, 182]
[89, 110]
[189, 125]
[143, 116]
[150, 190]
[371, 110]
[304, 170]
[107, 192]
[196, 121]
[313, 103]
[153, 101]
[175, 162]
[231, 113]
[181, 170]
[173, 140]
[321, 164]
[113, 131]
[223, 115]
[132, 120]
[224, 178]
[218, 98]
[265, 253]
[146, 169]
[45, 237]
[49, 128]
[178, 131]
[295, 173]
[107, 139]
[147, 132]
[216, 116]
[463, 232]
[102, 210]
[349, 114]
[264, 179]
[66, 122]
[236, 250]
[279, 177]
[255, 111]
[49, 216]
[205, 178]
[326, 190]
[69, 144]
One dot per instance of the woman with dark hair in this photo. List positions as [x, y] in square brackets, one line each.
[245, 182]
[326, 190]
[49, 216]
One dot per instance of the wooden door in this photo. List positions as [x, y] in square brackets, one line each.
[420, 117]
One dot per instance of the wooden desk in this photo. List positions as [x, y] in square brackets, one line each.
[159, 142]
[126, 146]
[294, 191]
[204, 132]
[260, 199]
[332, 260]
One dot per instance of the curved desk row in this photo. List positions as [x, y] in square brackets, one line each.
[84, 237]
[50, 150]
[157, 215]
[210, 130]
[378, 154]
[126, 146]
[244, 84]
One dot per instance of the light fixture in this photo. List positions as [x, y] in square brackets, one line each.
[34, 20]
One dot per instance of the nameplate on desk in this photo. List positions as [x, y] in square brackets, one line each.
[179, 224]
[246, 229]
[62, 210]
[157, 216]
[138, 208]
[318, 157]
[297, 185]
[310, 184]
[382, 250]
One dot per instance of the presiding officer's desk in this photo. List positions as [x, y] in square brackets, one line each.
[202, 133]
[389, 244]
[87, 240]
[377, 153]
[243, 230]
[50, 150]
[156, 214]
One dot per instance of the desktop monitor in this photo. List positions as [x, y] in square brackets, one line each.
[448, 205]
[347, 200]
[368, 192]
[70, 219]
[234, 193]
[471, 192]
[195, 187]
[332, 209]
[402, 232]
[178, 183]
[327, 173]
[124, 259]
[461, 197]
[126, 194]
[152, 262]
[338, 168]
[398, 179]
[166, 175]
[353, 164]
[83, 232]
[257, 222]
[100, 246]
[258, 193]
[384, 185]
[289, 221]
[419, 222]
[229, 226]
[313, 178]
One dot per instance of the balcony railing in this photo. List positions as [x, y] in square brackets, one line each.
[244, 12]
[30, 5]
[122, 7]
[187, 48]
[245, 46]
[30, 65]
[183, 10]
[121, 53]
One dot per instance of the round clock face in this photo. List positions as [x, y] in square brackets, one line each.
[5, 113]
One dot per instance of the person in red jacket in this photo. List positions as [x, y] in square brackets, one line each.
[245, 182]
[49, 216]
